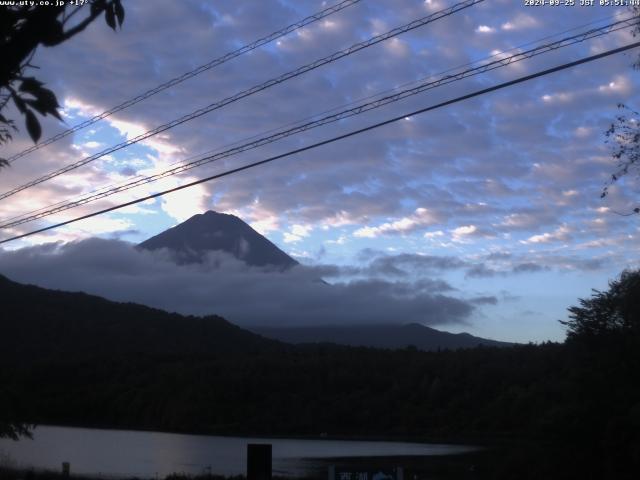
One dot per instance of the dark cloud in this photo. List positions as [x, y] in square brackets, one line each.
[480, 270]
[225, 286]
[406, 263]
[528, 268]
[484, 300]
[494, 264]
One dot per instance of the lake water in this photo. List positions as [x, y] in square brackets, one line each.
[119, 453]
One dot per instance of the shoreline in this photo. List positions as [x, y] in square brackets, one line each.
[479, 441]
[451, 467]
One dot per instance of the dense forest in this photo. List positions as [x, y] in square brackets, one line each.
[568, 410]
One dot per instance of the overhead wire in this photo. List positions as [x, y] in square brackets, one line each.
[420, 88]
[190, 74]
[255, 89]
[476, 93]
[316, 115]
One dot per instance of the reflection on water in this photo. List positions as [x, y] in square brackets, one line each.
[153, 454]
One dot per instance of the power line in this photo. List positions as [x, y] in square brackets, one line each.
[197, 71]
[502, 62]
[257, 88]
[337, 138]
[89, 195]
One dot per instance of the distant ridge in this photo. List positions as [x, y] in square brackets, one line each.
[41, 324]
[209, 232]
[378, 336]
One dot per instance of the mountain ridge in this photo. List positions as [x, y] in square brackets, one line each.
[39, 322]
[387, 336]
[192, 240]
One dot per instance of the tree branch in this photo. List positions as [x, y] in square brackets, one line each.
[82, 25]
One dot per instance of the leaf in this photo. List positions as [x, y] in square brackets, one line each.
[52, 33]
[96, 7]
[119, 11]
[30, 85]
[48, 102]
[37, 106]
[19, 103]
[110, 17]
[56, 114]
[33, 126]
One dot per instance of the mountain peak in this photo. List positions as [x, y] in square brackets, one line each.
[212, 231]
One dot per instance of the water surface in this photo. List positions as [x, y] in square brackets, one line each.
[120, 453]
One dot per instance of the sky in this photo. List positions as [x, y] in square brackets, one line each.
[484, 216]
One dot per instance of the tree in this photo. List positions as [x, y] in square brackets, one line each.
[624, 135]
[22, 29]
[616, 311]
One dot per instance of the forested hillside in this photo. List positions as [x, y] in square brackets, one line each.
[570, 408]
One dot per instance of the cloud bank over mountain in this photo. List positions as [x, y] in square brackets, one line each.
[228, 287]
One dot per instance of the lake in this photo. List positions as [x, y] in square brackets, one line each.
[120, 453]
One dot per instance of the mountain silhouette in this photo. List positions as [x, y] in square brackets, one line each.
[39, 323]
[202, 234]
[377, 336]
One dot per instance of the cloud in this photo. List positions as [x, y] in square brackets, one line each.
[297, 233]
[480, 270]
[421, 218]
[404, 264]
[520, 22]
[485, 29]
[225, 286]
[528, 268]
[460, 234]
[561, 234]
[485, 300]
[494, 264]
[510, 164]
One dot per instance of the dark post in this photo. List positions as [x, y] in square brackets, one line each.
[259, 461]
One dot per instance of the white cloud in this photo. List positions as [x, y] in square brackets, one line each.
[461, 234]
[583, 132]
[266, 225]
[297, 233]
[619, 85]
[437, 233]
[185, 203]
[561, 234]
[561, 97]
[421, 218]
[520, 22]
[485, 29]
[341, 240]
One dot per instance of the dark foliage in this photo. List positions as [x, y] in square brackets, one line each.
[614, 312]
[565, 411]
[23, 28]
[42, 326]
[623, 136]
